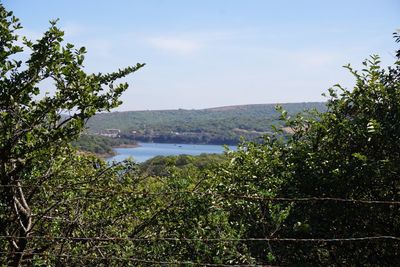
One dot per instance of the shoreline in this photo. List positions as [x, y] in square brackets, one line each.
[127, 146]
[110, 155]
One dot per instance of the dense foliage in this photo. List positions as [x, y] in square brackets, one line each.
[162, 166]
[224, 125]
[35, 136]
[350, 152]
[328, 195]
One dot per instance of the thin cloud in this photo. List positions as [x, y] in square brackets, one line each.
[316, 59]
[72, 29]
[176, 45]
[194, 42]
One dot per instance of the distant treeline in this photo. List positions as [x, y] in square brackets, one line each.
[163, 166]
[223, 125]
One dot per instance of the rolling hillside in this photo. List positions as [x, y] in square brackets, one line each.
[220, 125]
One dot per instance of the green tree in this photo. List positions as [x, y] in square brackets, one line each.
[63, 208]
[351, 151]
[59, 207]
[35, 131]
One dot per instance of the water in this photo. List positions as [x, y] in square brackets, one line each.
[146, 151]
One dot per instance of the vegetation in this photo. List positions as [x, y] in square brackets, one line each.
[224, 125]
[327, 195]
[35, 155]
[163, 166]
[350, 152]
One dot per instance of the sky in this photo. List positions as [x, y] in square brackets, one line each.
[210, 53]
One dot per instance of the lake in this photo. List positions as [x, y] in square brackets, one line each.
[146, 151]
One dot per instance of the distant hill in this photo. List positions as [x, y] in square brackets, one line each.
[219, 125]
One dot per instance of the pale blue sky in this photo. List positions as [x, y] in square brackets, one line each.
[208, 53]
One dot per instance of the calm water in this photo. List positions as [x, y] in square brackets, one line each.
[146, 151]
